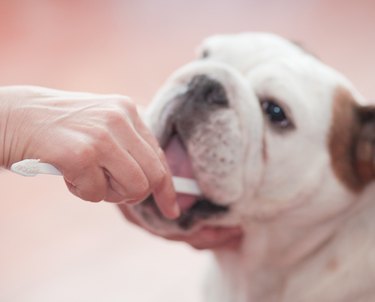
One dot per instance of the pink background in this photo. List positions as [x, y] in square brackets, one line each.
[55, 247]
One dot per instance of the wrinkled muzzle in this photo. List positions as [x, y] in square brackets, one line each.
[200, 119]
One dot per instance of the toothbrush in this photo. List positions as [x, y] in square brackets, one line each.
[33, 167]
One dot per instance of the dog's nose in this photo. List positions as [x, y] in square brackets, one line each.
[204, 95]
[205, 90]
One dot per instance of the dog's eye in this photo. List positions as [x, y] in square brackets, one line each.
[275, 113]
[205, 54]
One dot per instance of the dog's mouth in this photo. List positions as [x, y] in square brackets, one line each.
[201, 209]
[193, 208]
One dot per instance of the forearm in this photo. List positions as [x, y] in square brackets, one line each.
[14, 128]
[8, 97]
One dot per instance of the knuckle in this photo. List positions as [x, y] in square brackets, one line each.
[158, 177]
[128, 107]
[114, 118]
[100, 137]
[93, 197]
[132, 109]
[84, 155]
[120, 98]
[96, 198]
[87, 190]
[86, 195]
[121, 110]
[141, 189]
[124, 101]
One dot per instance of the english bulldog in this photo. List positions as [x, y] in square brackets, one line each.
[282, 147]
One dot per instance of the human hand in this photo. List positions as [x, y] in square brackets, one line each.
[98, 142]
[208, 237]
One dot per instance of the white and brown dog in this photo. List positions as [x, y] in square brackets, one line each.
[283, 146]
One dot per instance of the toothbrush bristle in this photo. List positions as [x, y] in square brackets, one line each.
[26, 167]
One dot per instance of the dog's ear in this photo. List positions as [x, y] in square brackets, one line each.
[352, 141]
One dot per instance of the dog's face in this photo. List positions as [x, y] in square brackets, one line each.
[265, 129]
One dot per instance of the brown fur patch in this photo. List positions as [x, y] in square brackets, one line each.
[342, 139]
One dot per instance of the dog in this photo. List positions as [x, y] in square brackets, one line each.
[281, 146]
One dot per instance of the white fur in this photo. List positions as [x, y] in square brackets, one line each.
[308, 237]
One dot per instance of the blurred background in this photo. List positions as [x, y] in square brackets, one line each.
[55, 247]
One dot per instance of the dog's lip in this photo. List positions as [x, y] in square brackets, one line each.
[201, 209]
[213, 237]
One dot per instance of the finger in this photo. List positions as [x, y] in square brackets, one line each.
[155, 170]
[164, 193]
[114, 197]
[112, 193]
[88, 184]
[165, 198]
[147, 135]
[159, 177]
[126, 177]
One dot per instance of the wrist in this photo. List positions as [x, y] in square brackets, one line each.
[10, 150]
[5, 136]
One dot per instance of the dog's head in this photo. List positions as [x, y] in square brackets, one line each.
[266, 130]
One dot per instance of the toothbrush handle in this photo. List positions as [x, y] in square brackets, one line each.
[45, 168]
[33, 167]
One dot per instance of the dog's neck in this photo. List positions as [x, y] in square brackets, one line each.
[276, 257]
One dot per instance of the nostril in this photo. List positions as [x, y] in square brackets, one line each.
[206, 90]
[216, 95]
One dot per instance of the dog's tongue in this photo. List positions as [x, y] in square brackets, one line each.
[180, 165]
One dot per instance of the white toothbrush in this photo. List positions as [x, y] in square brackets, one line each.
[33, 167]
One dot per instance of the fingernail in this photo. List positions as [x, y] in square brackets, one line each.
[175, 211]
